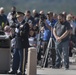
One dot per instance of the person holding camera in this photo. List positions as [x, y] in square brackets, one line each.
[21, 45]
[49, 24]
[12, 13]
[12, 16]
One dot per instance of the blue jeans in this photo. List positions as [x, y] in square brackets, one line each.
[62, 47]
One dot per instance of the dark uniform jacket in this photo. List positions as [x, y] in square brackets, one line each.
[21, 36]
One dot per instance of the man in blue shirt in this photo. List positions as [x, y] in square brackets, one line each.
[48, 28]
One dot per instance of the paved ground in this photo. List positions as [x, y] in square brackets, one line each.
[50, 71]
[62, 71]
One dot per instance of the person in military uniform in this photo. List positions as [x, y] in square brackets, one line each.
[21, 45]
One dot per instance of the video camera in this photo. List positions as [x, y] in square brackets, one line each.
[13, 13]
[42, 18]
[14, 25]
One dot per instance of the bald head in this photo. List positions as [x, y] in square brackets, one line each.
[1, 10]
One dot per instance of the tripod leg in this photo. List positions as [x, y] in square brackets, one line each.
[44, 51]
[53, 56]
[46, 54]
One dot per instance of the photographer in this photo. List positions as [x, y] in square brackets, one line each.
[43, 37]
[13, 12]
[47, 35]
[21, 45]
[12, 16]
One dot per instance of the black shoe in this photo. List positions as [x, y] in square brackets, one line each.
[52, 66]
[56, 67]
[20, 73]
[66, 68]
[12, 72]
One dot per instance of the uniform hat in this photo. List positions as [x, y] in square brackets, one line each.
[18, 14]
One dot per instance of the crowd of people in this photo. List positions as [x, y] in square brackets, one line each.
[34, 29]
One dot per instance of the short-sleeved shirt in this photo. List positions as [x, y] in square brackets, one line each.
[47, 32]
[61, 28]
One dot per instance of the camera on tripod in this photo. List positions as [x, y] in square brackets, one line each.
[42, 19]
